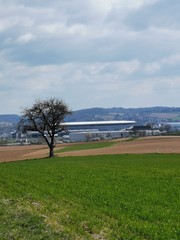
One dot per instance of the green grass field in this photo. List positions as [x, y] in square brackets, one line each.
[94, 197]
[85, 146]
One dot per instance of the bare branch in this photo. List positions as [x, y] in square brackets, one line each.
[45, 117]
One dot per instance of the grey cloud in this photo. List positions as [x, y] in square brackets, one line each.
[98, 42]
[51, 48]
[162, 13]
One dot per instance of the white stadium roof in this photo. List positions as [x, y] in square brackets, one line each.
[100, 123]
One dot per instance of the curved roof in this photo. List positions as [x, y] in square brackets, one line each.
[97, 123]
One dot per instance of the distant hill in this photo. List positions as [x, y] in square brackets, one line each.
[140, 115]
[11, 118]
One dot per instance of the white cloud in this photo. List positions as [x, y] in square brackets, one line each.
[92, 53]
[152, 67]
[168, 62]
[6, 24]
[172, 60]
[26, 38]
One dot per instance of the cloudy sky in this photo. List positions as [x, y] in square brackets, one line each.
[90, 53]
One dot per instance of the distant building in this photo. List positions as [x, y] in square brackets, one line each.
[96, 130]
[99, 125]
[173, 126]
[145, 130]
[86, 131]
[85, 136]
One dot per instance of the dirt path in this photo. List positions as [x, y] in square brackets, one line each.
[122, 146]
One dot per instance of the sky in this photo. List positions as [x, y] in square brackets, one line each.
[90, 53]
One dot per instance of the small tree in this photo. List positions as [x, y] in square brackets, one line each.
[45, 117]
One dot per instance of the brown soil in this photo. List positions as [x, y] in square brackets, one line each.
[136, 146]
[140, 145]
[14, 153]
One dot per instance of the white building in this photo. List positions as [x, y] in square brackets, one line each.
[96, 135]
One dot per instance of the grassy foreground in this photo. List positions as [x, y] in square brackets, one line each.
[94, 197]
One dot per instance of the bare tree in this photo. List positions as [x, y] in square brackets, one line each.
[45, 117]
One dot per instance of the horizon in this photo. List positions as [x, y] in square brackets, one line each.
[102, 108]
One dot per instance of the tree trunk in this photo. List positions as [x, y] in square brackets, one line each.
[51, 151]
[51, 146]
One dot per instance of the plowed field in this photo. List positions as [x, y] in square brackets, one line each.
[138, 146]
